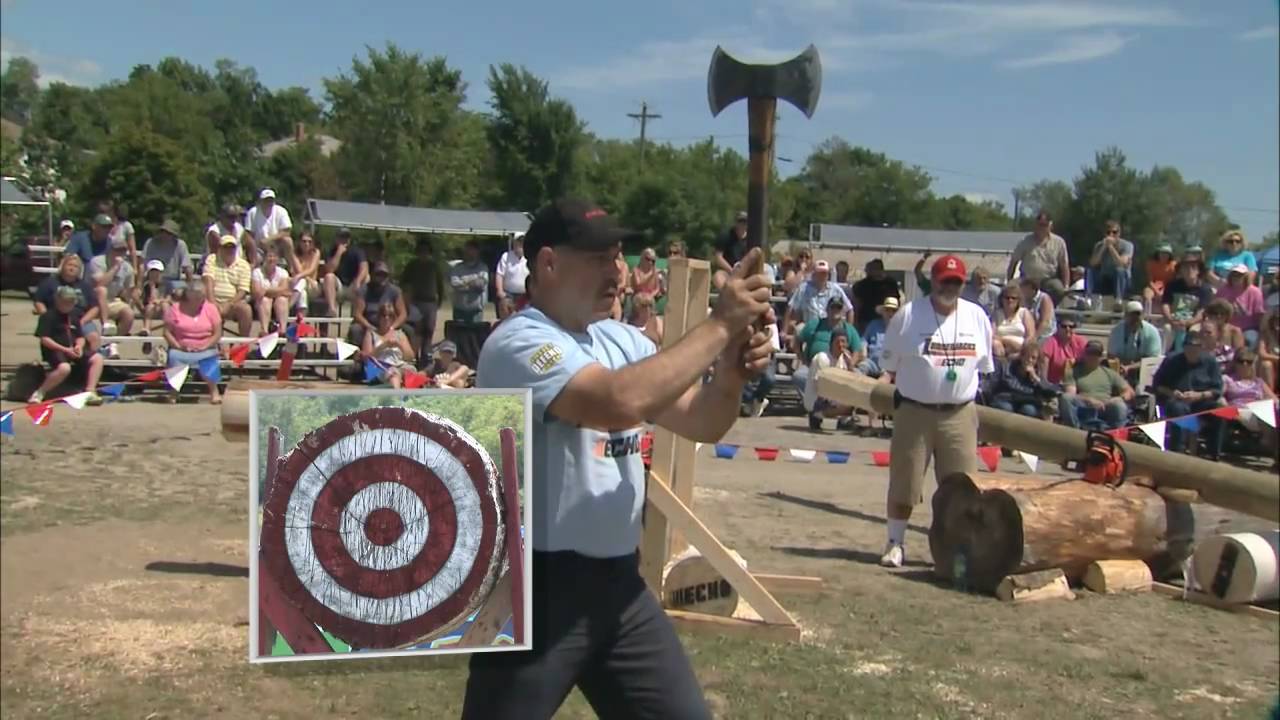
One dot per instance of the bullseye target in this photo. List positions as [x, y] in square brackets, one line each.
[385, 527]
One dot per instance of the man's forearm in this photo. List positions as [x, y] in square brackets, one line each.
[648, 387]
[715, 406]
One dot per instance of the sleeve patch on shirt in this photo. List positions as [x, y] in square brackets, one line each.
[545, 358]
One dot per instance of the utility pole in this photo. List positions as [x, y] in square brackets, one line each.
[644, 116]
[1017, 199]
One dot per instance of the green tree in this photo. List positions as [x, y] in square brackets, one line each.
[301, 171]
[71, 121]
[19, 90]
[856, 186]
[152, 177]
[286, 108]
[1055, 196]
[1182, 213]
[534, 138]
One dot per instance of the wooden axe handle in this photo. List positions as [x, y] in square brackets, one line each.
[760, 115]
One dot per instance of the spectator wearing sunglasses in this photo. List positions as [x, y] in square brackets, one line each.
[1110, 264]
[1061, 351]
[1231, 253]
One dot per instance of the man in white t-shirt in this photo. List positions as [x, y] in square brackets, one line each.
[268, 224]
[934, 349]
[513, 270]
[228, 223]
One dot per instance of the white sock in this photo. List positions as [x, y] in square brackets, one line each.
[898, 531]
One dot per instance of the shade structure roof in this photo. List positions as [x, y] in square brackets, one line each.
[855, 237]
[371, 216]
[11, 195]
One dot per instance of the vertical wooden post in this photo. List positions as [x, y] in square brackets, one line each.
[515, 544]
[689, 285]
[266, 631]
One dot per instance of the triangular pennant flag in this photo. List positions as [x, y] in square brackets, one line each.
[1119, 433]
[1155, 431]
[177, 375]
[1264, 410]
[802, 455]
[766, 454]
[726, 452]
[414, 380]
[372, 370]
[6, 424]
[990, 456]
[835, 456]
[1230, 412]
[151, 376]
[345, 349]
[303, 329]
[1190, 423]
[240, 353]
[291, 333]
[697, 447]
[78, 400]
[210, 369]
[267, 344]
[114, 390]
[1032, 461]
[41, 413]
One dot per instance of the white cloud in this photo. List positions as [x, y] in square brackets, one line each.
[53, 68]
[1074, 49]
[1266, 32]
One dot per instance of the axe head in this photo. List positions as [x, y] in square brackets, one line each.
[798, 81]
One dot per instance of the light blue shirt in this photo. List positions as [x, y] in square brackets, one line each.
[811, 303]
[587, 486]
[874, 338]
[1132, 347]
[1222, 262]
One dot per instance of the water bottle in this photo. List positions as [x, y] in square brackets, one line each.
[960, 571]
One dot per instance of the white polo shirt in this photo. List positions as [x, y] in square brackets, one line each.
[514, 271]
[264, 226]
[921, 345]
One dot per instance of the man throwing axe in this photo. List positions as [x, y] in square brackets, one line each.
[595, 383]
[934, 348]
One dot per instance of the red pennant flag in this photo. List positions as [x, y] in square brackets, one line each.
[305, 330]
[766, 454]
[41, 413]
[990, 455]
[152, 376]
[240, 353]
[1229, 412]
[415, 380]
[1119, 433]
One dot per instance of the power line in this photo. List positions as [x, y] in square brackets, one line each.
[644, 116]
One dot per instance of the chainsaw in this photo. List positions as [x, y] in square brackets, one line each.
[1104, 461]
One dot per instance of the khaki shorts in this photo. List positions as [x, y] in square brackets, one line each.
[117, 306]
[948, 438]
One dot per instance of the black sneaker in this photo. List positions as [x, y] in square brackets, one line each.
[815, 422]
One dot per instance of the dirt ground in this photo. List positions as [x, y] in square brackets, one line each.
[124, 594]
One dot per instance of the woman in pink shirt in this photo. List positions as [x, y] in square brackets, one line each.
[1242, 387]
[1060, 350]
[1247, 303]
[193, 327]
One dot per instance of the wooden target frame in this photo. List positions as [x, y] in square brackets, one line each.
[670, 523]
[389, 528]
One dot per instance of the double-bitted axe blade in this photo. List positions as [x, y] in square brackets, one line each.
[798, 81]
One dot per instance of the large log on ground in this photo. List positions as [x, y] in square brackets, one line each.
[1247, 491]
[1009, 524]
[235, 403]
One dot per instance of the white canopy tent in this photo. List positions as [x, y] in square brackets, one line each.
[371, 216]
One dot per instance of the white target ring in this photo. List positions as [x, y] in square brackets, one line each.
[385, 496]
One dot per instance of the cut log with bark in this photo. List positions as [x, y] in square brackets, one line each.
[235, 402]
[1117, 576]
[1034, 586]
[1012, 524]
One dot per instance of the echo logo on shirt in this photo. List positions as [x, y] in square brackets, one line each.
[618, 446]
[949, 350]
[545, 358]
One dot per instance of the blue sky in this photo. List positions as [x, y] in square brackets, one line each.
[983, 94]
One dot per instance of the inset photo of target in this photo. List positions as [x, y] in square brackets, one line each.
[388, 522]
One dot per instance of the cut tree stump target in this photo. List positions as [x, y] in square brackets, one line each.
[388, 527]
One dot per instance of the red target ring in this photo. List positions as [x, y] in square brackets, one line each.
[385, 527]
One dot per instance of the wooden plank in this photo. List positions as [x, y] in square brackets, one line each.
[1200, 598]
[790, 583]
[682, 478]
[515, 544]
[267, 631]
[699, 622]
[302, 636]
[680, 517]
[489, 621]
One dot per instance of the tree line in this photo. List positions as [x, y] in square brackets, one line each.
[175, 140]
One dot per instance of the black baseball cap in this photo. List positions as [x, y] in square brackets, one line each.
[1093, 347]
[577, 224]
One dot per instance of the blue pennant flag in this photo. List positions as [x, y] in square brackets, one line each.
[726, 452]
[291, 333]
[210, 369]
[835, 456]
[114, 390]
[1190, 423]
[6, 424]
[372, 370]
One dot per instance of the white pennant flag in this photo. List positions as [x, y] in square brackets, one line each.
[177, 375]
[345, 349]
[78, 400]
[802, 455]
[1032, 461]
[697, 447]
[267, 344]
[1264, 410]
[1155, 431]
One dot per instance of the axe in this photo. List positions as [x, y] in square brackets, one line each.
[798, 81]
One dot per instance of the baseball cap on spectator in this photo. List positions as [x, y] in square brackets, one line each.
[949, 267]
[742, 216]
[446, 346]
[66, 292]
[344, 232]
[1164, 248]
[170, 227]
[890, 303]
[155, 265]
[1093, 347]
[1133, 306]
[577, 224]
[228, 240]
[66, 224]
[267, 194]
[822, 266]
[380, 268]
[1193, 338]
[1193, 249]
[1241, 269]
[103, 219]
[835, 302]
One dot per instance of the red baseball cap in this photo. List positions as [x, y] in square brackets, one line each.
[949, 267]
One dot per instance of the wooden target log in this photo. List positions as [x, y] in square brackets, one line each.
[693, 584]
[1010, 524]
[386, 527]
[1239, 567]
[235, 403]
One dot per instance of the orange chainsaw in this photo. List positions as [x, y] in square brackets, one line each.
[1104, 461]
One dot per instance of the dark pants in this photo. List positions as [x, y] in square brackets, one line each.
[1021, 407]
[597, 626]
[759, 388]
[1177, 436]
[423, 317]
